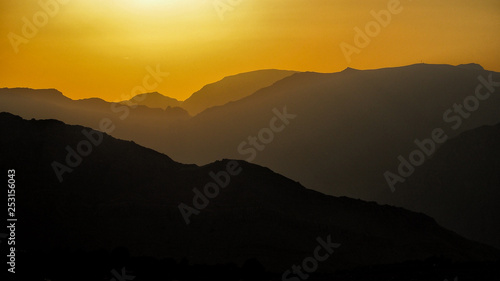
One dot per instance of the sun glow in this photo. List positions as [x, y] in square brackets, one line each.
[156, 5]
[111, 42]
[147, 3]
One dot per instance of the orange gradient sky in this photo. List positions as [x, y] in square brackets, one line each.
[101, 48]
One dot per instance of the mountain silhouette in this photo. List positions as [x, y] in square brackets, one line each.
[464, 176]
[125, 195]
[153, 100]
[473, 66]
[128, 121]
[349, 130]
[232, 88]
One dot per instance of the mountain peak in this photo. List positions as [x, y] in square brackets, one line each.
[156, 94]
[349, 69]
[472, 66]
[233, 88]
[49, 91]
[154, 100]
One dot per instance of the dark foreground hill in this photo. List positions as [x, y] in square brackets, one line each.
[122, 195]
[464, 176]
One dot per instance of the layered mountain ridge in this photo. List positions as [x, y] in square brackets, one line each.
[124, 195]
[350, 129]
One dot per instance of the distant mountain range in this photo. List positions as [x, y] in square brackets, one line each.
[350, 129]
[231, 88]
[153, 100]
[125, 195]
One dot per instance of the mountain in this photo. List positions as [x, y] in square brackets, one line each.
[348, 128]
[473, 66]
[119, 194]
[153, 100]
[232, 88]
[460, 185]
[125, 121]
[228, 89]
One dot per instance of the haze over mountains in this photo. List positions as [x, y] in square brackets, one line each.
[229, 89]
[153, 100]
[125, 195]
[350, 127]
[232, 88]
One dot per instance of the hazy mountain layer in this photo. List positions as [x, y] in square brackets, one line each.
[153, 100]
[232, 88]
[122, 194]
[339, 133]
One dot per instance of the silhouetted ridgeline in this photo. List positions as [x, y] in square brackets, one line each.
[122, 195]
[232, 88]
[464, 175]
[350, 129]
[153, 100]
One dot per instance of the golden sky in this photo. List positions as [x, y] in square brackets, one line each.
[101, 48]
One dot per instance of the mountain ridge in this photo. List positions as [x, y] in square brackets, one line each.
[153, 100]
[260, 214]
[232, 88]
[350, 126]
